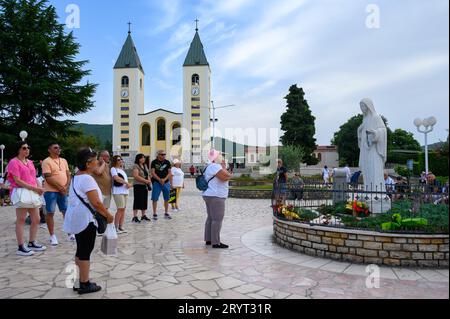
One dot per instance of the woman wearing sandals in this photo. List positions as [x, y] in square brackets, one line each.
[80, 221]
[141, 186]
[120, 192]
[22, 174]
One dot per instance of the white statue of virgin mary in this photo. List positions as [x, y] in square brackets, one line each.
[372, 142]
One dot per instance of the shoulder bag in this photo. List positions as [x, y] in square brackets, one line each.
[101, 220]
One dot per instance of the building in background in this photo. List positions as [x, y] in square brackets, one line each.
[180, 135]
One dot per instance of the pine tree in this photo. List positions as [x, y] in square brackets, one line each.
[40, 77]
[298, 123]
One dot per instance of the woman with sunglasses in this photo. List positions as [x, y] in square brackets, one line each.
[120, 192]
[79, 219]
[22, 174]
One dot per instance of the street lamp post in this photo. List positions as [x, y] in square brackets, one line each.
[214, 120]
[2, 148]
[429, 124]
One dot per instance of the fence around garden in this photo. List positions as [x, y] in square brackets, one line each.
[408, 208]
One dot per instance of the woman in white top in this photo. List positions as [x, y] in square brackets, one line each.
[120, 191]
[177, 183]
[80, 221]
[215, 197]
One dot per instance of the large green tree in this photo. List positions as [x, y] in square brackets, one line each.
[403, 140]
[292, 157]
[40, 76]
[346, 139]
[298, 123]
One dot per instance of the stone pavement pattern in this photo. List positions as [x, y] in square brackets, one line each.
[167, 259]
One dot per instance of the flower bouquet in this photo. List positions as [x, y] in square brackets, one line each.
[289, 213]
[358, 209]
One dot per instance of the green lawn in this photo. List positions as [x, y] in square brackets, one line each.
[254, 188]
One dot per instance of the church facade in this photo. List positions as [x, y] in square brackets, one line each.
[186, 135]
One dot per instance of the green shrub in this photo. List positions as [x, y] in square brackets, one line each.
[305, 214]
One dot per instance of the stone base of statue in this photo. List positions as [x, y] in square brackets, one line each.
[379, 206]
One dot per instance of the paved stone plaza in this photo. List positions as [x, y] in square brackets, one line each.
[167, 259]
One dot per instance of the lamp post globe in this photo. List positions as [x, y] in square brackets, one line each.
[418, 122]
[23, 135]
[432, 121]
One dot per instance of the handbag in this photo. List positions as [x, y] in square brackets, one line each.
[109, 241]
[101, 220]
[25, 198]
[118, 184]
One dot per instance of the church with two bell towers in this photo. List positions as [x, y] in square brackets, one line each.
[185, 136]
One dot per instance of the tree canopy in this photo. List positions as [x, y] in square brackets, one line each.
[40, 76]
[298, 124]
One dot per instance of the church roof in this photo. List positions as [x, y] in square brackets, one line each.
[196, 55]
[129, 57]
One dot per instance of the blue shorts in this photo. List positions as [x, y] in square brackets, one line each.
[158, 188]
[53, 198]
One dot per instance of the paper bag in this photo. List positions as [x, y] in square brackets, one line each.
[109, 241]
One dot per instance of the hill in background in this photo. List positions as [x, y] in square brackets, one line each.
[103, 133]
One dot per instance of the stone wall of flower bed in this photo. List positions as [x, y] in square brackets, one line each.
[234, 183]
[252, 194]
[367, 247]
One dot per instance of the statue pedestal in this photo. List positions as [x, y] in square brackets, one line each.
[379, 206]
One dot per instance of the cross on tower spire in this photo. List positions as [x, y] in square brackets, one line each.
[196, 25]
[129, 27]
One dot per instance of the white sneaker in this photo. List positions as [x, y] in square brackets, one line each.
[24, 251]
[34, 246]
[175, 210]
[53, 240]
[72, 238]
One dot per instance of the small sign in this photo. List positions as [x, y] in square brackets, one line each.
[410, 164]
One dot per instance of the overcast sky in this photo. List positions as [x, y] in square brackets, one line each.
[257, 49]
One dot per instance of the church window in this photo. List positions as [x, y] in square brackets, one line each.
[125, 108]
[176, 133]
[125, 116]
[125, 139]
[125, 101]
[195, 115]
[125, 82]
[319, 157]
[124, 132]
[161, 128]
[195, 99]
[195, 79]
[146, 135]
[124, 124]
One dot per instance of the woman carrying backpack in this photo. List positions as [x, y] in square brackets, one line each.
[215, 196]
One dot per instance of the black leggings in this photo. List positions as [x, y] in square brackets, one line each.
[86, 242]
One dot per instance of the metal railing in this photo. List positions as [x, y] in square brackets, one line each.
[350, 206]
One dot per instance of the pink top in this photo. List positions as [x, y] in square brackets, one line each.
[26, 173]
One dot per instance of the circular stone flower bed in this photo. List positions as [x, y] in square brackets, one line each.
[359, 246]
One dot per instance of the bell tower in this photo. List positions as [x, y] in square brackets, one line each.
[196, 102]
[128, 100]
